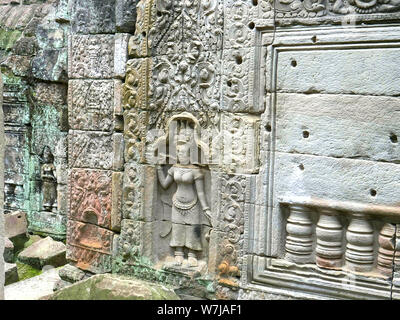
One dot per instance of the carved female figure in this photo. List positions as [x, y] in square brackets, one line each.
[49, 180]
[189, 202]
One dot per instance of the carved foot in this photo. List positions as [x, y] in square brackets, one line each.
[192, 261]
[178, 258]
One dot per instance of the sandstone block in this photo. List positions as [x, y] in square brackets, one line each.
[90, 193]
[71, 274]
[91, 150]
[8, 251]
[44, 252]
[113, 287]
[125, 15]
[11, 273]
[93, 16]
[15, 225]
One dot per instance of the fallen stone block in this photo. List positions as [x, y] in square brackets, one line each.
[16, 226]
[44, 252]
[33, 288]
[8, 251]
[71, 274]
[114, 287]
[11, 273]
[61, 284]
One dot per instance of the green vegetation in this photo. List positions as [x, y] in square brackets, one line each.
[25, 271]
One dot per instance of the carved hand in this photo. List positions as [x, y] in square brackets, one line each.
[207, 213]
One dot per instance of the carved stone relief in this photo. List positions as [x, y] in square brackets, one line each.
[190, 209]
[92, 149]
[49, 181]
[91, 197]
[91, 104]
[91, 56]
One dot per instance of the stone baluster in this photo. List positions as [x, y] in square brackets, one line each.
[329, 240]
[299, 239]
[386, 249]
[360, 244]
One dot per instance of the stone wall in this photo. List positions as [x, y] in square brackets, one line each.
[2, 242]
[34, 64]
[293, 106]
[97, 56]
[233, 149]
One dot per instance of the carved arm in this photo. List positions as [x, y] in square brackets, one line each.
[202, 197]
[165, 181]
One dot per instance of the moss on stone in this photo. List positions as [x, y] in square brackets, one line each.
[8, 38]
[115, 287]
[25, 271]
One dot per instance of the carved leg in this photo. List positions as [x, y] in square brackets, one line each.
[192, 260]
[179, 256]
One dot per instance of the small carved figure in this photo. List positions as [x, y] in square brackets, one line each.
[189, 201]
[49, 181]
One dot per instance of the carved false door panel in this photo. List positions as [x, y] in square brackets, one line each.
[333, 166]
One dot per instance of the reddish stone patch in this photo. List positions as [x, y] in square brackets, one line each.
[90, 192]
[89, 236]
[89, 260]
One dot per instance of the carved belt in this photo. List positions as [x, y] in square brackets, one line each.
[183, 206]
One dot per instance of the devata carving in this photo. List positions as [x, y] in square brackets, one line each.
[189, 202]
[49, 181]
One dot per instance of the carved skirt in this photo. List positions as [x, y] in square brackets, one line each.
[187, 228]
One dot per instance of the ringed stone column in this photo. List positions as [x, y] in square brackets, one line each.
[360, 244]
[299, 239]
[386, 250]
[329, 240]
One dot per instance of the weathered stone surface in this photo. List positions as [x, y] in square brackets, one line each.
[117, 194]
[113, 287]
[93, 16]
[33, 288]
[89, 259]
[367, 71]
[125, 15]
[91, 105]
[121, 55]
[8, 251]
[16, 226]
[90, 192]
[60, 284]
[330, 125]
[44, 252]
[48, 223]
[51, 65]
[50, 94]
[71, 274]
[91, 56]
[89, 236]
[91, 150]
[2, 230]
[11, 274]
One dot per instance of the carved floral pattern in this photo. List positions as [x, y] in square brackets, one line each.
[91, 196]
